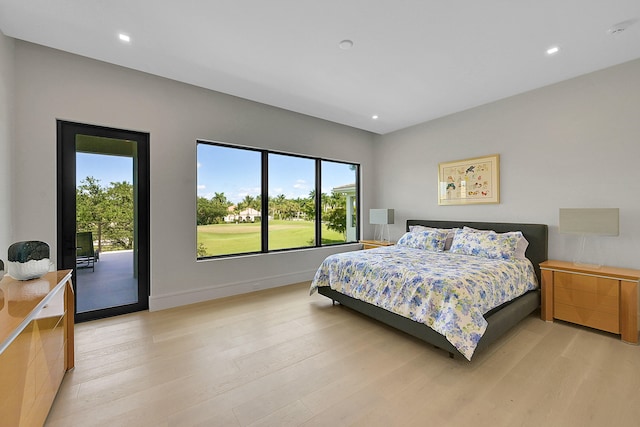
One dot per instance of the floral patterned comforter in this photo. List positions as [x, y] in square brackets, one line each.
[448, 292]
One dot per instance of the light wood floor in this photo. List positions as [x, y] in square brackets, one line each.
[280, 357]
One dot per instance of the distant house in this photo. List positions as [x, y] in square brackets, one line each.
[349, 190]
[247, 215]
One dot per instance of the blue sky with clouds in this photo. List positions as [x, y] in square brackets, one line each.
[234, 172]
[106, 168]
[237, 174]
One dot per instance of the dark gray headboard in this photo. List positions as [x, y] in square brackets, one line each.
[536, 235]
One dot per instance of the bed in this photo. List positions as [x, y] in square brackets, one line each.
[353, 290]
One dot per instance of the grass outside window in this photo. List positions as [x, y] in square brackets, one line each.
[222, 239]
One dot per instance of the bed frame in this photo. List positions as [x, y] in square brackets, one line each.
[499, 320]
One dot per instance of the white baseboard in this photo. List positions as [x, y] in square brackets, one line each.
[177, 299]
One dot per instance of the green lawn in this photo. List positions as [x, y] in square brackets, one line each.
[222, 239]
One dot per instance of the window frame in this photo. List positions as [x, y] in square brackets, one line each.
[264, 196]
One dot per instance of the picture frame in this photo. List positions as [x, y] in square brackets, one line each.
[469, 181]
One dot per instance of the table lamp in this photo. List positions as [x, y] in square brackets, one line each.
[381, 218]
[589, 223]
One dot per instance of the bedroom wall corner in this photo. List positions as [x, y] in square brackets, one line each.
[7, 64]
[570, 144]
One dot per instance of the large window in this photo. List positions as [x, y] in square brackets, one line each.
[308, 201]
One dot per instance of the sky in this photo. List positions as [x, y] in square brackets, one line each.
[237, 174]
[106, 168]
[234, 172]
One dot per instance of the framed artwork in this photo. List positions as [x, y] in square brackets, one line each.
[469, 181]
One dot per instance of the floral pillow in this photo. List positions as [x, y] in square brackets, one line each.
[521, 246]
[487, 244]
[430, 240]
[450, 233]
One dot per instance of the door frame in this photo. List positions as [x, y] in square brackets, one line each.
[66, 208]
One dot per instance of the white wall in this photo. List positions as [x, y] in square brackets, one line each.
[56, 85]
[6, 116]
[572, 144]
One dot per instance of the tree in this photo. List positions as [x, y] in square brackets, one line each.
[248, 202]
[90, 207]
[308, 207]
[212, 211]
[204, 213]
[277, 206]
[106, 212]
[119, 214]
[325, 202]
[335, 213]
[305, 211]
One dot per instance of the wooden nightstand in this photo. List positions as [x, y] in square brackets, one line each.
[370, 244]
[604, 298]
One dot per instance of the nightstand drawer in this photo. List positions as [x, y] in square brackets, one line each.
[593, 293]
[591, 318]
[587, 300]
[583, 283]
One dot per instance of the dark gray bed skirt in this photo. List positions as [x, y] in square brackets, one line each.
[499, 320]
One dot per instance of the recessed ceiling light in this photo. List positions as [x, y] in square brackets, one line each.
[124, 38]
[553, 50]
[346, 44]
[374, 117]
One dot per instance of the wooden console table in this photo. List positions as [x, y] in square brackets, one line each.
[604, 298]
[36, 345]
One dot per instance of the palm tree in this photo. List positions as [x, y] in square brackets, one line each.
[277, 205]
[248, 201]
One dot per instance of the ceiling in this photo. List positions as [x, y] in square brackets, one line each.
[411, 60]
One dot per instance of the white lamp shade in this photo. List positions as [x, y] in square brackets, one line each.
[381, 216]
[595, 221]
